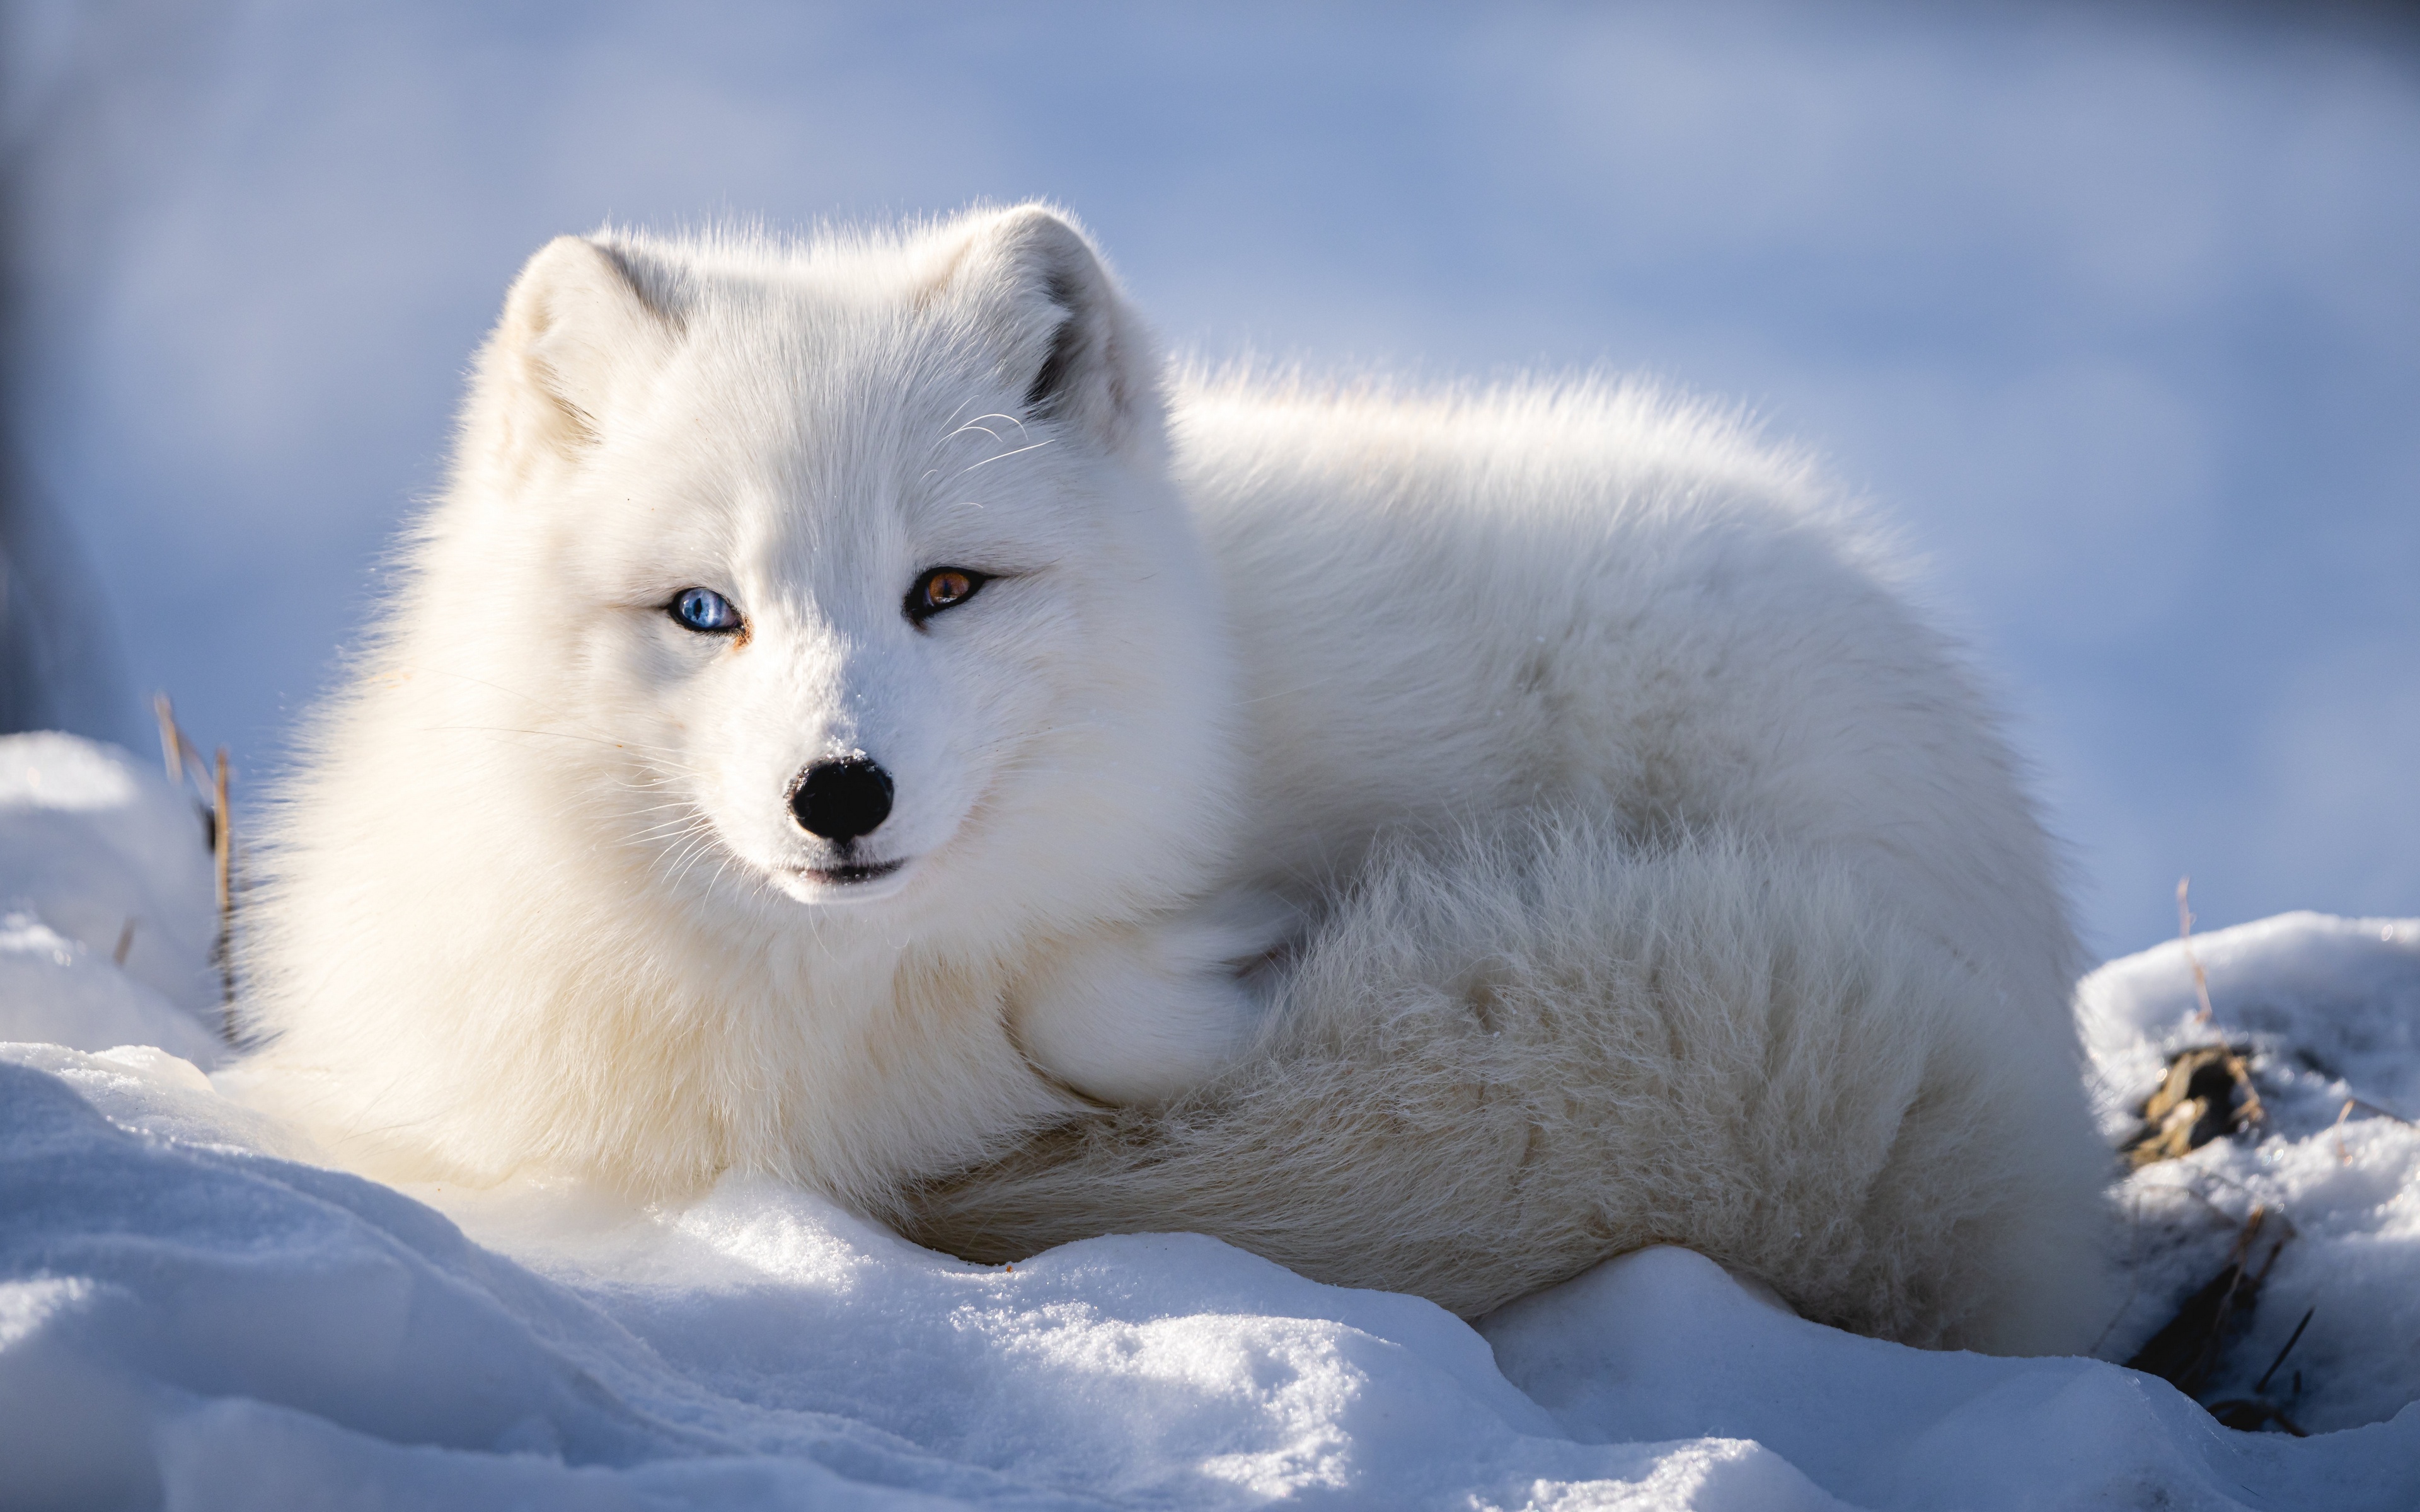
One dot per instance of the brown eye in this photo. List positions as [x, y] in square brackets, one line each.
[940, 588]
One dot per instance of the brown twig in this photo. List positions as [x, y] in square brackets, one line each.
[2185, 1350]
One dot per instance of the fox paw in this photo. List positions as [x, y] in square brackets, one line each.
[1143, 1012]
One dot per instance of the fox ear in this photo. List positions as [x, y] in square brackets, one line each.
[1060, 329]
[578, 339]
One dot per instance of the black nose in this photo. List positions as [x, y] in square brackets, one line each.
[841, 800]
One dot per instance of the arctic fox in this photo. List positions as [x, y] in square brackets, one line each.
[853, 713]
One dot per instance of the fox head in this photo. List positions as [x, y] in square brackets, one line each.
[844, 575]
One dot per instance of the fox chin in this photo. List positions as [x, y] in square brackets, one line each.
[856, 713]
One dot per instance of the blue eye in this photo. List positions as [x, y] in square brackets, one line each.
[704, 610]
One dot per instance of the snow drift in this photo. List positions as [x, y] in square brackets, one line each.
[194, 1313]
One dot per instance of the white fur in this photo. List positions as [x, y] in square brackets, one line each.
[1369, 785]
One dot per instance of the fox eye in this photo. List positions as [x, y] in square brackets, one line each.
[705, 611]
[942, 588]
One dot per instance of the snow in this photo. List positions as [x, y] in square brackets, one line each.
[196, 1312]
[2331, 1009]
[95, 849]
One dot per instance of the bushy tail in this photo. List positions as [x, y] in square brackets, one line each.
[1497, 1066]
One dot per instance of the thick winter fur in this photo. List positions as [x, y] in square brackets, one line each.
[1506, 1059]
[1435, 841]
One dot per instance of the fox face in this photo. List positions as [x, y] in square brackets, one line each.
[865, 570]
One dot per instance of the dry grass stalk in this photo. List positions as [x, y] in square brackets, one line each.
[2344, 1156]
[2184, 933]
[2296, 1337]
[2252, 1413]
[2190, 1345]
[223, 855]
[2207, 1093]
[183, 758]
[172, 740]
[184, 762]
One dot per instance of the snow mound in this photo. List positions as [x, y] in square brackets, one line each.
[2328, 1011]
[107, 901]
[194, 1312]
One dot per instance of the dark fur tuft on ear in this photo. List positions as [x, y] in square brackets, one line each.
[1051, 379]
[1058, 326]
[578, 343]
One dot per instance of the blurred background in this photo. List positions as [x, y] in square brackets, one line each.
[2114, 308]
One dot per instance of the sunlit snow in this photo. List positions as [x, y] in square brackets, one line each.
[192, 1311]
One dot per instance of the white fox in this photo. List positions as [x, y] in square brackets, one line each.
[854, 715]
